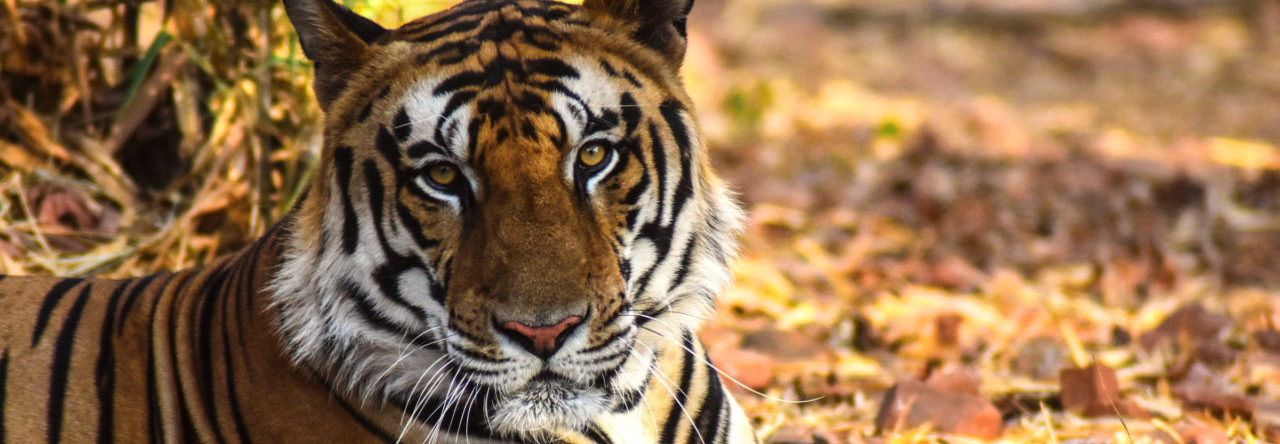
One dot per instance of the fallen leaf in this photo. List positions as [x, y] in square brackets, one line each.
[911, 404]
[1190, 324]
[1093, 391]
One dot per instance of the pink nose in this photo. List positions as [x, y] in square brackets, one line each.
[542, 341]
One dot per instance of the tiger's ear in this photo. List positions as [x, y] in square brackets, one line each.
[658, 24]
[336, 40]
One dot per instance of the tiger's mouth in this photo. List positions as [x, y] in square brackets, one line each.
[546, 404]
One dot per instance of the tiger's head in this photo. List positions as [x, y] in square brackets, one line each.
[513, 212]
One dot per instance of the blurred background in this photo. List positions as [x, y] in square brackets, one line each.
[983, 190]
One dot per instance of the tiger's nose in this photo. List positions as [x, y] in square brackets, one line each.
[542, 341]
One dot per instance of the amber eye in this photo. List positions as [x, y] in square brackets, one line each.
[591, 155]
[442, 174]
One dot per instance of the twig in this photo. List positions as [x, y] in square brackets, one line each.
[136, 111]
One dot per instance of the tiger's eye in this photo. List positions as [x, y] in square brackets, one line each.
[591, 156]
[442, 173]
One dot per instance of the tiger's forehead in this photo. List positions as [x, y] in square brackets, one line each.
[557, 101]
[483, 74]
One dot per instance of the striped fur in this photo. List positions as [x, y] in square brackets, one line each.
[395, 304]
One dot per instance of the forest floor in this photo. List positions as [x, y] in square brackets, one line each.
[1024, 221]
[990, 193]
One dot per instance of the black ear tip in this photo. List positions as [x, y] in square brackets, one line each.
[307, 13]
[367, 30]
[660, 24]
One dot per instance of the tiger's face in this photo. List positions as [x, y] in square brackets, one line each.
[513, 212]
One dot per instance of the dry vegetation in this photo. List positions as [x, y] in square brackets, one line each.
[980, 193]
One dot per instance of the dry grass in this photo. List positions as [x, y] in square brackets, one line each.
[1002, 186]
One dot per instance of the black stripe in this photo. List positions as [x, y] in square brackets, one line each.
[554, 86]
[176, 308]
[154, 418]
[610, 118]
[617, 170]
[454, 28]
[671, 111]
[233, 398]
[551, 67]
[457, 100]
[247, 292]
[60, 369]
[4, 377]
[652, 313]
[50, 302]
[387, 277]
[659, 153]
[365, 309]
[675, 415]
[422, 149]
[401, 125]
[387, 146]
[543, 39]
[210, 290]
[458, 81]
[365, 111]
[105, 373]
[630, 112]
[415, 228]
[686, 262]
[661, 238]
[455, 50]
[499, 31]
[632, 79]
[561, 130]
[492, 110]
[342, 162]
[438, 290]
[608, 68]
[597, 436]
[132, 298]
[546, 11]
[632, 199]
[709, 419]
[153, 397]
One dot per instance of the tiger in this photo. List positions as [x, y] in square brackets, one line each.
[513, 235]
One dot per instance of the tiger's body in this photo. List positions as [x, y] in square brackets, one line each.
[513, 237]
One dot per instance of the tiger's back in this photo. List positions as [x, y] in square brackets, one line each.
[191, 356]
[85, 360]
[513, 236]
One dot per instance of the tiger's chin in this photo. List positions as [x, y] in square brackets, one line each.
[543, 408]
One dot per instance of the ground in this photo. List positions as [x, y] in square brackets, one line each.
[1062, 215]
